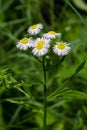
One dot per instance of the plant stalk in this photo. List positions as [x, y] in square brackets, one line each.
[45, 97]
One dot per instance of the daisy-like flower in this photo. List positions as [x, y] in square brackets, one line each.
[61, 48]
[24, 43]
[35, 29]
[41, 46]
[51, 34]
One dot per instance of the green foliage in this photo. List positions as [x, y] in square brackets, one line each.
[21, 77]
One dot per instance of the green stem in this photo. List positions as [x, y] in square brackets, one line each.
[45, 97]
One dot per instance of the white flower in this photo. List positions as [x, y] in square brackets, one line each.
[35, 29]
[51, 34]
[41, 46]
[24, 43]
[61, 48]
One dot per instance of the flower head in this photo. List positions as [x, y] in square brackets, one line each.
[51, 34]
[24, 43]
[41, 46]
[61, 48]
[35, 29]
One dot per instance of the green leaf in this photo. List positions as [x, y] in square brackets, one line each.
[78, 69]
[81, 66]
[15, 115]
[80, 4]
[74, 94]
[69, 94]
[14, 101]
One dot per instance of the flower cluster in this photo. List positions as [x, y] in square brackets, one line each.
[41, 45]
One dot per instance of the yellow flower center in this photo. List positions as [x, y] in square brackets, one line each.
[61, 45]
[40, 44]
[24, 40]
[34, 26]
[52, 32]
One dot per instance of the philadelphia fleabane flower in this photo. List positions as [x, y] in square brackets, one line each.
[61, 48]
[35, 29]
[41, 46]
[51, 34]
[24, 43]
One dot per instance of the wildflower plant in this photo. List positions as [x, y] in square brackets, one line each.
[41, 47]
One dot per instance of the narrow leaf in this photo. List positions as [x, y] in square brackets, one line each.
[69, 94]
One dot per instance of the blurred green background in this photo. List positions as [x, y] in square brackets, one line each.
[21, 90]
